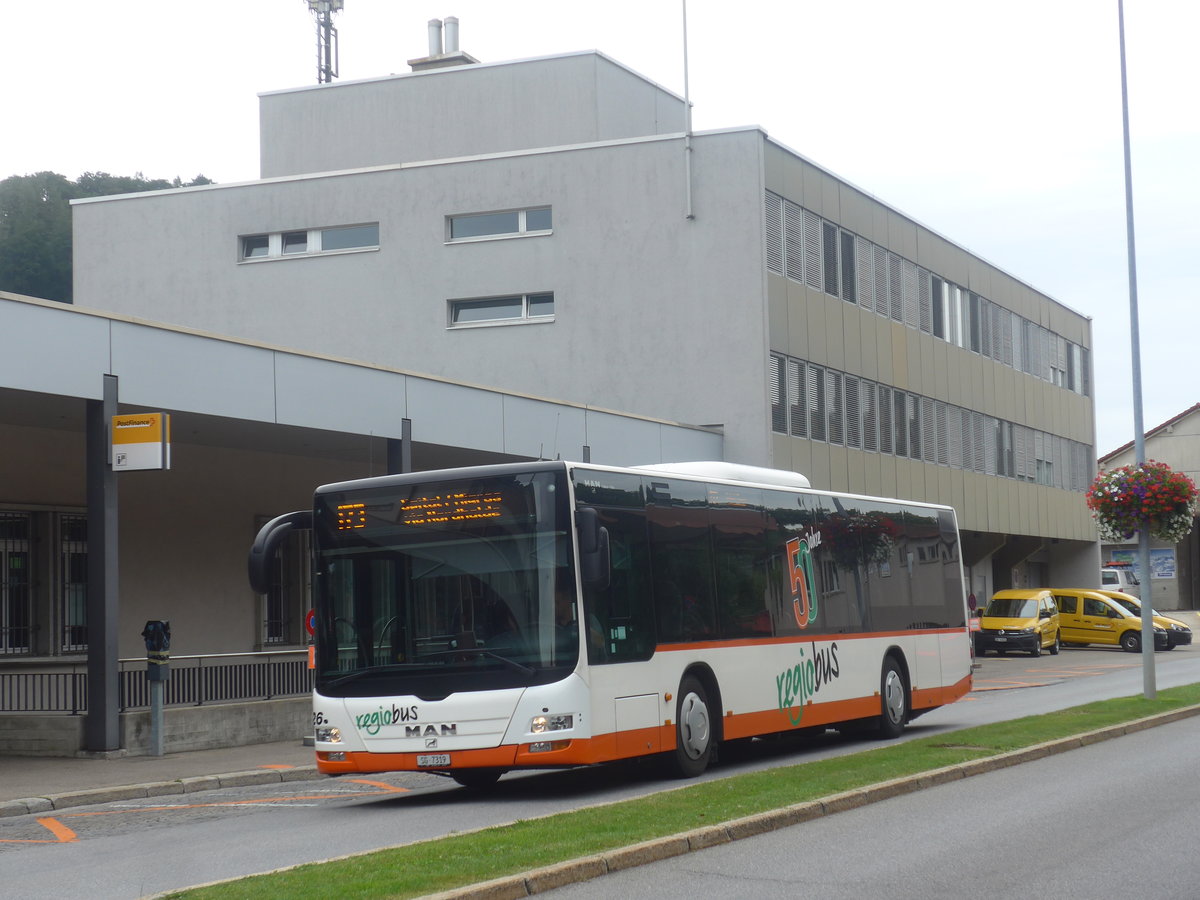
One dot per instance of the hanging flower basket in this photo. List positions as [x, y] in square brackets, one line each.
[1149, 494]
[858, 538]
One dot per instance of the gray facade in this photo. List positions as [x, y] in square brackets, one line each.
[704, 318]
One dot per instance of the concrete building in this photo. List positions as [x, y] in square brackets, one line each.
[1174, 580]
[527, 259]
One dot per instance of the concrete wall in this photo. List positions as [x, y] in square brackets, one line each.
[653, 312]
[460, 111]
[184, 728]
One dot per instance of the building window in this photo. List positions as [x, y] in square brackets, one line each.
[255, 246]
[295, 242]
[502, 310]
[310, 241]
[537, 220]
[16, 583]
[72, 581]
[352, 237]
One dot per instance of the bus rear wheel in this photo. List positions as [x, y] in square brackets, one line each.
[893, 700]
[693, 730]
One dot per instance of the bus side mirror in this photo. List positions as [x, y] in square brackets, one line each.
[266, 545]
[594, 559]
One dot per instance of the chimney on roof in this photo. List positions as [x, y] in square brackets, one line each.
[439, 57]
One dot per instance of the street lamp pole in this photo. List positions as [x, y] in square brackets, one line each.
[1139, 431]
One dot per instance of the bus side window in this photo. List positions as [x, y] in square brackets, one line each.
[681, 555]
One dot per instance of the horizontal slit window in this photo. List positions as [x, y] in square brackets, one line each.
[499, 224]
[495, 310]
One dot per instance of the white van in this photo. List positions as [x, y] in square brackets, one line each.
[1120, 577]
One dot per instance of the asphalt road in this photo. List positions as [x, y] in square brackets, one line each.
[1094, 822]
[134, 848]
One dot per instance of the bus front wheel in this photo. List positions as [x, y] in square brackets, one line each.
[693, 730]
[893, 698]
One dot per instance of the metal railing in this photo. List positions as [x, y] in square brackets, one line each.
[194, 681]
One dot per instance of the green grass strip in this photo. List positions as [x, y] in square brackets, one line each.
[443, 863]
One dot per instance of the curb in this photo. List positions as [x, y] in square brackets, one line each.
[51, 802]
[536, 881]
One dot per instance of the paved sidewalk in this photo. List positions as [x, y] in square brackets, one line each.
[40, 784]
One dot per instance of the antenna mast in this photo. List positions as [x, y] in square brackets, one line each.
[327, 55]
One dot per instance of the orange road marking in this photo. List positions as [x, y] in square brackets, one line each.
[288, 799]
[62, 834]
[380, 784]
[275, 766]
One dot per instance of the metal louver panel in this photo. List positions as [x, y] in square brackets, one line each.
[829, 256]
[812, 251]
[833, 406]
[793, 232]
[816, 403]
[853, 413]
[848, 267]
[913, 410]
[900, 422]
[895, 296]
[864, 257]
[908, 274]
[773, 214]
[778, 409]
[977, 441]
[943, 433]
[985, 328]
[797, 398]
[885, 419]
[990, 449]
[882, 305]
[928, 431]
[923, 297]
[954, 433]
[870, 406]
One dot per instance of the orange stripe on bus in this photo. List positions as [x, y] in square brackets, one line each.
[801, 639]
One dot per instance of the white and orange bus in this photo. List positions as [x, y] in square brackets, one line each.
[473, 621]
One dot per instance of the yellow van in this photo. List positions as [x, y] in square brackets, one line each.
[1178, 632]
[1088, 617]
[1019, 620]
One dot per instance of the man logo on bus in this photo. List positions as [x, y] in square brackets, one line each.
[803, 580]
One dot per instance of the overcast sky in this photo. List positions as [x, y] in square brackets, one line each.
[997, 125]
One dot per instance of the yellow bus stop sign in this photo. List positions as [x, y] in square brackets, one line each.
[141, 441]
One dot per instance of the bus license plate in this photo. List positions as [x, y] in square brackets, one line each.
[427, 760]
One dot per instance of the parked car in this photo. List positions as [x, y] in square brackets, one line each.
[1178, 632]
[1019, 620]
[1116, 576]
[1088, 617]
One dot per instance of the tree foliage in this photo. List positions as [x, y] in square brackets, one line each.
[35, 225]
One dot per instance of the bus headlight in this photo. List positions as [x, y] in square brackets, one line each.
[328, 734]
[553, 722]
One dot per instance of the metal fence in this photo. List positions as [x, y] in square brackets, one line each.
[194, 681]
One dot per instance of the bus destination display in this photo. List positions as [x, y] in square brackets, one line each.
[424, 509]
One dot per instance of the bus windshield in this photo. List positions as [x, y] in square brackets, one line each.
[434, 587]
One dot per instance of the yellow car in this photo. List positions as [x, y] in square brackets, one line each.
[1177, 632]
[1088, 617]
[1019, 620]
